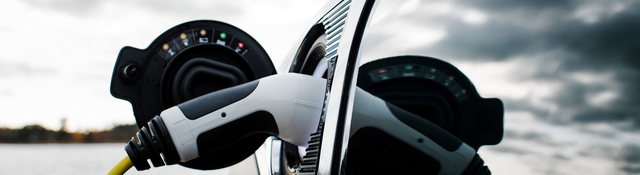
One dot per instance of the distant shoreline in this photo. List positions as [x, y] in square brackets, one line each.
[37, 134]
[96, 143]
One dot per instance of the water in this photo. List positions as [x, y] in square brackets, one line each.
[593, 155]
[70, 159]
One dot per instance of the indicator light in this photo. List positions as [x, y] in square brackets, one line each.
[183, 36]
[433, 70]
[203, 32]
[408, 67]
[223, 35]
[464, 91]
[450, 78]
[382, 71]
[165, 46]
[240, 45]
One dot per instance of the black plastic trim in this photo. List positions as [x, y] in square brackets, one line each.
[200, 106]
[373, 151]
[190, 79]
[228, 155]
[257, 122]
[183, 78]
[233, 142]
[426, 128]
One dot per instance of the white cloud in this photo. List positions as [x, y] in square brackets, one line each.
[505, 79]
[474, 17]
[603, 99]
[592, 11]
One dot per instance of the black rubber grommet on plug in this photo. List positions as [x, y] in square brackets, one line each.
[476, 167]
[137, 154]
[151, 143]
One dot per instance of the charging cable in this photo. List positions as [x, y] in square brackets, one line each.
[122, 167]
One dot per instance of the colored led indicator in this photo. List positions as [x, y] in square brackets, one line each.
[408, 67]
[240, 45]
[382, 71]
[183, 36]
[203, 32]
[165, 46]
[223, 35]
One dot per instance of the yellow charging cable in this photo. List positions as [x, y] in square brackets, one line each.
[122, 167]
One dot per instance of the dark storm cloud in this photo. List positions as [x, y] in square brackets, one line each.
[610, 44]
[87, 7]
[631, 169]
[501, 39]
[614, 38]
[486, 41]
[510, 149]
[507, 5]
[629, 155]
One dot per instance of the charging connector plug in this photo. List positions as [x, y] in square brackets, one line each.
[152, 144]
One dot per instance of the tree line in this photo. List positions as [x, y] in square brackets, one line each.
[40, 134]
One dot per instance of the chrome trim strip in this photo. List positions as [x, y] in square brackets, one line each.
[276, 152]
[337, 33]
[338, 19]
[334, 11]
[338, 26]
[336, 127]
[333, 41]
[263, 156]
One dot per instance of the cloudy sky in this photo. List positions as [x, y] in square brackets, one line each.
[57, 56]
[568, 72]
